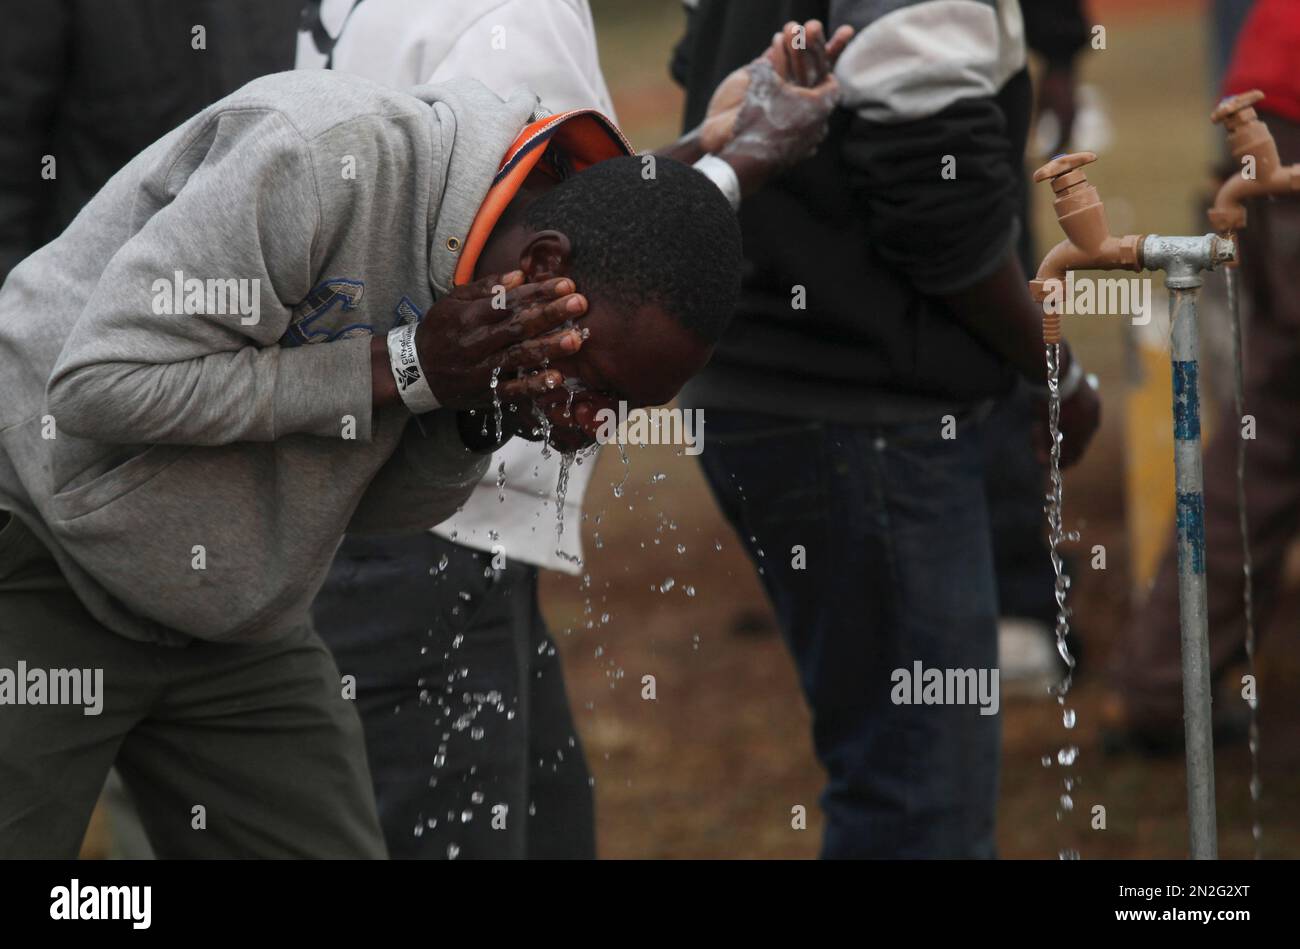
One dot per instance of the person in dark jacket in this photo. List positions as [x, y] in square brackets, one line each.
[76, 107]
[86, 84]
[883, 313]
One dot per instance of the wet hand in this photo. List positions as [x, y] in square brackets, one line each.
[499, 323]
[772, 113]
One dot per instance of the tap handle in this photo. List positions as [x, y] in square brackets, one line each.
[1231, 106]
[1064, 164]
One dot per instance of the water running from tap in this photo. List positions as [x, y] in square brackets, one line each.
[1056, 536]
[1247, 567]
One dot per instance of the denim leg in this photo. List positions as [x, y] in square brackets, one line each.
[874, 547]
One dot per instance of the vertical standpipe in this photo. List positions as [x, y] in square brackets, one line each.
[1189, 485]
[1183, 259]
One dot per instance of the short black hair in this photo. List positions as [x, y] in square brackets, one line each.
[645, 233]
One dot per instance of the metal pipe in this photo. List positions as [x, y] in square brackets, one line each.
[1183, 259]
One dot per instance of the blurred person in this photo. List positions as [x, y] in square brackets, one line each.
[1145, 709]
[91, 106]
[460, 686]
[180, 457]
[883, 313]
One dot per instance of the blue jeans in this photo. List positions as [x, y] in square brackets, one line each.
[898, 567]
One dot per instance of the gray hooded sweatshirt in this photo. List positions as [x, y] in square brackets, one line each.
[185, 391]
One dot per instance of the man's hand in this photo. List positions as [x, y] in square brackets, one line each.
[573, 422]
[1080, 419]
[1056, 94]
[498, 322]
[772, 114]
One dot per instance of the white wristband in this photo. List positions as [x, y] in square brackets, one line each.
[412, 384]
[722, 175]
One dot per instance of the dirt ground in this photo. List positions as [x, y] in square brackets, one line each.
[714, 766]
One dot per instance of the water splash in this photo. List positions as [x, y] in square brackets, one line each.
[1056, 536]
[561, 490]
[496, 400]
[1247, 567]
[627, 470]
[543, 429]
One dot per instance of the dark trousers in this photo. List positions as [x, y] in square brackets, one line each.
[893, 525]
[471, 743]
[1015, 486]
[1147, 665]
[230, 750]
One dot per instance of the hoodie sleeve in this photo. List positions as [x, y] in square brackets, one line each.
[429, 476]
[928, 147]
[231, 221]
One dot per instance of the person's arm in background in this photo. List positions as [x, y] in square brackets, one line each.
[922, 82]
[32, 59]
[1057, 30]
[550, 46]
[767, 116]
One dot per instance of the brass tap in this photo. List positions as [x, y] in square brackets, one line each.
[1088, 243]
[1248, 137]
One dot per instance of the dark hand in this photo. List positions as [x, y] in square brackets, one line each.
[498, 322]
[1056, 95]
[772, 114]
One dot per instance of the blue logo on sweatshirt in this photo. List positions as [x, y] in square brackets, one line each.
[309, 323]
[322, 316]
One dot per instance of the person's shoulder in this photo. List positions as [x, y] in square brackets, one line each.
[315, 101]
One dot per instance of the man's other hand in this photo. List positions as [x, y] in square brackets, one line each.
[772, 114]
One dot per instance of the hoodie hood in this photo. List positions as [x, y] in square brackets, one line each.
[474, 129]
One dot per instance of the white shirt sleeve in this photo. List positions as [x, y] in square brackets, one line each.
[547, 45]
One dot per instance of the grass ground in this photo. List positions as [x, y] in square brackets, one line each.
[713, 767]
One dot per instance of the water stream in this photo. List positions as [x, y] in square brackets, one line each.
[1056, 536]
[1247, 567]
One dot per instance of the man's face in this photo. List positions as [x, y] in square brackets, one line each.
[642, 358]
